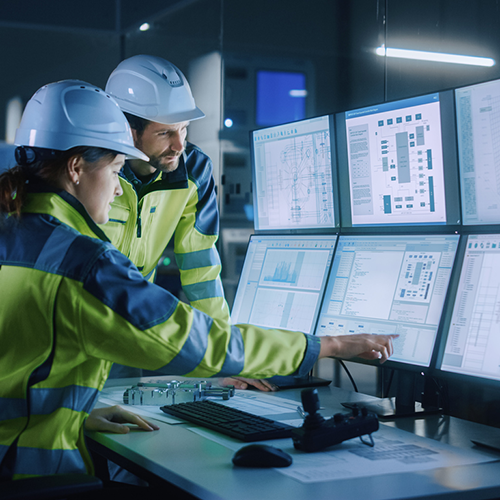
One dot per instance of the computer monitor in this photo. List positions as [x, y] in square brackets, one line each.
[294, 179]
[469, 348]
[397, 163]
[478, 115]
[283, 280]
[390, 284]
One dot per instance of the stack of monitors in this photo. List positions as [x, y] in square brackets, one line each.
[385, 201]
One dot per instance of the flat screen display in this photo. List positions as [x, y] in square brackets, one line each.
[283, 281]
[294, 185]
[390, 284]
[398, 163]
[471, 340]
[478, 126]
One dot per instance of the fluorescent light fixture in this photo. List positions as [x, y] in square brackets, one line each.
[421, 55]
[144, 27]
[298, 93]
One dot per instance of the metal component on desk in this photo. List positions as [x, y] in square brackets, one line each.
[168, 393]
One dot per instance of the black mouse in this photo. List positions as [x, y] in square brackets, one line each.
[261, 455]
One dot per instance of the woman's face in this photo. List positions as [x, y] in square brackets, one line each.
[98, 185]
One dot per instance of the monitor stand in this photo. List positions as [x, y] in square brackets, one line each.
[290, 382]
[404, 404]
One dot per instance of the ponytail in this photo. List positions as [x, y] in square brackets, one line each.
[12, 190]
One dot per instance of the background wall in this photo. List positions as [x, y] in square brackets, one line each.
[221, 44]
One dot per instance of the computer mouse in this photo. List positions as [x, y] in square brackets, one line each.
[261, 455]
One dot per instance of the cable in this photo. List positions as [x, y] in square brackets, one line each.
[349, 375]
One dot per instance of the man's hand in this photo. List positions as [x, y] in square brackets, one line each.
[364, 346]
[243, 383]
[111, 418]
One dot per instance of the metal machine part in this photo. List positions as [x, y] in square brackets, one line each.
[167, 393]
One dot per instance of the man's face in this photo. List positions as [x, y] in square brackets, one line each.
[163, 144]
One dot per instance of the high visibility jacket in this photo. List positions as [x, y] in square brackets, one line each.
[70, 306]
[143, 220]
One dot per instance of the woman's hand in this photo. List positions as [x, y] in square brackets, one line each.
[243, 383]
[112, 418]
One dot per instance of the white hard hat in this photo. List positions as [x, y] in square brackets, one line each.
[71, 113]
[152, 88]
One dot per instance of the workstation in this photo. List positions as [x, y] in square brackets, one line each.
[431, 457]
[357, 193]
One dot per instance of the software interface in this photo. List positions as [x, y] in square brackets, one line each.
[473, 341]
[395, 158]
[293, 186]
[390, 284]
[478, 124]
[282, 281]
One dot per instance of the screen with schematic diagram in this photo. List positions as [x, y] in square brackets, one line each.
[294, 184]
[387, 284]
[470, 345]
[400, 162]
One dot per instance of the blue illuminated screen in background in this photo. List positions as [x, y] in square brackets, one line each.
[281, 97]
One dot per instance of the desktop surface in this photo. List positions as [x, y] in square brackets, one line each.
[202, 466]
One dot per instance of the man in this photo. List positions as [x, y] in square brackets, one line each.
[173, 193]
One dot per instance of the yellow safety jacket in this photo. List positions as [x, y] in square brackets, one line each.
[143, 220]
[70, 306]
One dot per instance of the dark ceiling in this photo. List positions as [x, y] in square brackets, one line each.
[111, 16]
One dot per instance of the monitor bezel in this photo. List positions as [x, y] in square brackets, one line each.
[450, 166]
[440, 346]
[390, 363]
[335, 185]
[281, 235]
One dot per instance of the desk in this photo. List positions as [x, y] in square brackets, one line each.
[203, 467]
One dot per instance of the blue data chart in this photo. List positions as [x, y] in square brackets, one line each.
[283, 281]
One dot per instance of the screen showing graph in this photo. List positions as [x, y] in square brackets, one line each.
[390, 284]
[293, 183]
[282, 281]
[471, 341]
[478, 122]
[395, 154]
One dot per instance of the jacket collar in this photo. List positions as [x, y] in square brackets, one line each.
[44, 199]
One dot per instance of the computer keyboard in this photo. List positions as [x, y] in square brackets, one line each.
[229, 421]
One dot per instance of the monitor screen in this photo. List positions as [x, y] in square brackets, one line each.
[390, 284]
[294, 184]
[470, 344]
[398, 163]
[281, 97]
[478, 112]
[282, 281]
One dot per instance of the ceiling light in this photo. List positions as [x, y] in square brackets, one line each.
[144, 27]
[421, 55]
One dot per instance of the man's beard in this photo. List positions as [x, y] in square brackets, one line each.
[156, 162]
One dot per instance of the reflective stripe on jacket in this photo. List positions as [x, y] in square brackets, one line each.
[70, 306]
[144, 219]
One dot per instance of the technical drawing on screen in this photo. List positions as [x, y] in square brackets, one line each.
[282, 281]
[395, 157]
[472, 344]
[292, 168]
[390, 284]
[478, 117]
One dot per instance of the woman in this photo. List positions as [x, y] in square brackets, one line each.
[71, 304]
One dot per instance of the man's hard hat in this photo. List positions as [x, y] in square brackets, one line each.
[71, 113]
[152, 88]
